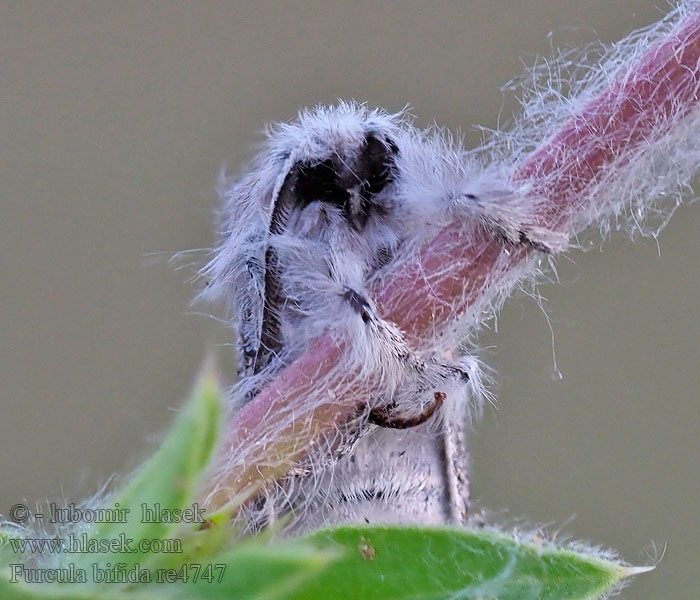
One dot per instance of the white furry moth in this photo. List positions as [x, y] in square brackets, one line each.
[331, 200]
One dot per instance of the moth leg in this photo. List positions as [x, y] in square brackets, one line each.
[385, 417]
[508, 217]
[425, 386]
[420, 377]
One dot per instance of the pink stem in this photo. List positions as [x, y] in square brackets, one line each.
[633, 111]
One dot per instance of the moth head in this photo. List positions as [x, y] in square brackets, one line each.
[342, 156]
[351, 179]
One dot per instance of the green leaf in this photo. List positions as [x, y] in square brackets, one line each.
[7, 555]
[253, 572]
[387, 563]
[23, 591]
[168, 481]
[248, 572]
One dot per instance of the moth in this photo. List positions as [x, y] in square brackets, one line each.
[329, 202]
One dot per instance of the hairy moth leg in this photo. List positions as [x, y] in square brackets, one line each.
[419, 377]
[384, 417]
[508, 215]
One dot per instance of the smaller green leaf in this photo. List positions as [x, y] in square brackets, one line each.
[393, 563]
[8, 554]
[250, 571]
[21, 591]
[167, 483]
[198, 544]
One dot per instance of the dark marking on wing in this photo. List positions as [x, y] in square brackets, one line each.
[271, 334]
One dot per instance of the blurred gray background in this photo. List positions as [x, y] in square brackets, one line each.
[115, 118]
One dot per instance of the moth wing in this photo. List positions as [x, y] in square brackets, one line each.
[242, 270]
[270, 342]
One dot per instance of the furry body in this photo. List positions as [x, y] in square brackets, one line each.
[329, 201]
